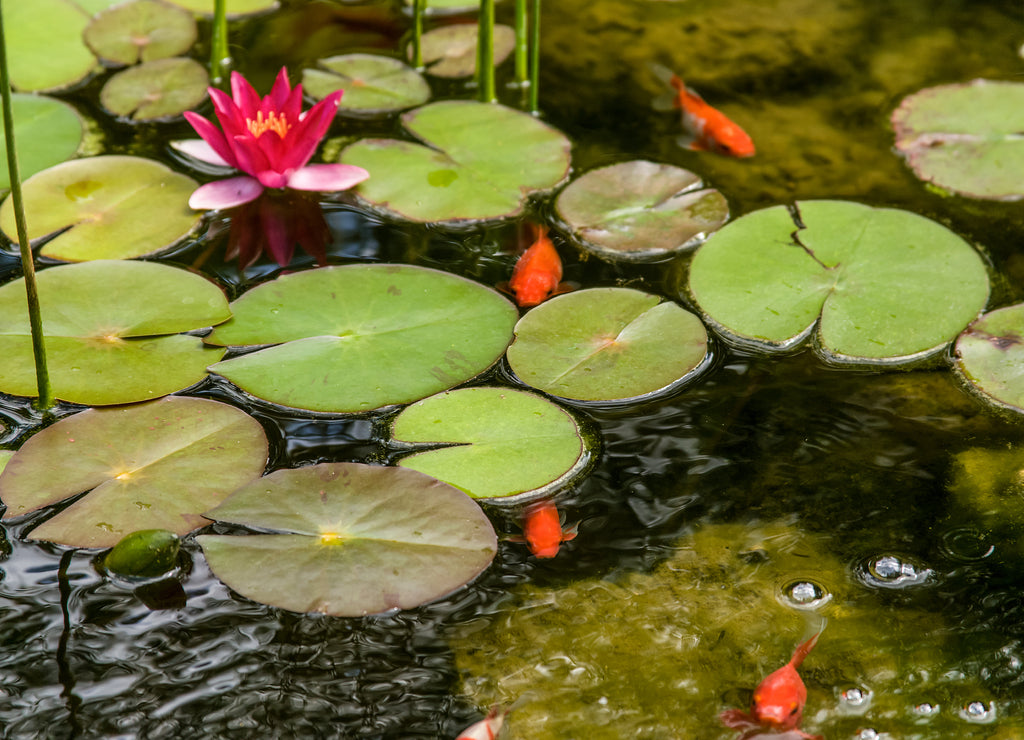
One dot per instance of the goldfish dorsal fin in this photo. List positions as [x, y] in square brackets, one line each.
[801, 652]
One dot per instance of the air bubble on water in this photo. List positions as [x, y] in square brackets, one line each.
[893, 571]
[804, 594]
[867, 734]
[965, 545]
[854, 700]
[978, 712]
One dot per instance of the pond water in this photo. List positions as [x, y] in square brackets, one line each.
[719, 525]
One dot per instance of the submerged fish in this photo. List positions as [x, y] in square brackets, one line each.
[486, 729]
[708, 128]
[538, 272]
[778, 702]
[543, 531]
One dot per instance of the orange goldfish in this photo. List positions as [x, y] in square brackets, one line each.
[709, 129]
[542, 530]
[778, 703]
[537, 273]
[486, 729]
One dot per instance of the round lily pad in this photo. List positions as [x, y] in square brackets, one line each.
[373, 84]
[608, 344]
[481, 161]
[140, 31]
[46, 132]
[354, 539]
[878, 285]
[160, 89]
[102, 326]
[640, 210]
[156, 465]
[359, 337]
[45, 49]
[502, 443]
[450, 51]
[966, 137]
[109, 207]
[990, 355]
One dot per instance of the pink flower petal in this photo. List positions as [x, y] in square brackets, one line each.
[204, 149]
[327, 177]
[272, 178]
[244, 95]
[251, 159]
[304, 138]
[222, 194]
[279, 93]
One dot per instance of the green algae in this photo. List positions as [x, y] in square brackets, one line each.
[660, 654]
[987, 486]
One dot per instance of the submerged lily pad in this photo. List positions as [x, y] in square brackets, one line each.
[481, 161]
[109, 207]
[877, 284]
[450, 51]
[102, 323]
[141, 31]
[157, 465]
[990, 355]
[967, 138]
[607, 344]
[640, 210]
[46, 132]
[354, 539]
[373, 84]
[45, 49]
[358, 337]
[153, 90]
[503, 442]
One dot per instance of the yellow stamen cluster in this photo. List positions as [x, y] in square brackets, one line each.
[273, 121]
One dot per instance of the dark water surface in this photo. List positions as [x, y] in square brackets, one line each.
[872, 468]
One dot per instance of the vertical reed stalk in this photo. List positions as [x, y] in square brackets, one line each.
[485, 53]
[418, 9]
[220, 56]
[35, 318]
[534, 55]
[522, 44]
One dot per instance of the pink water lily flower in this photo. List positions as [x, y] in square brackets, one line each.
[270, 139]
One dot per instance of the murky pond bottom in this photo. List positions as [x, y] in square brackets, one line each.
[719, 527]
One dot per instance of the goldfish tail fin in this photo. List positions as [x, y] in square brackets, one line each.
[663, 73]
[569, 533]
[665, 102]
[801, 652]
[688, 142]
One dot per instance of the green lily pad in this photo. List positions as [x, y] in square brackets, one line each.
[109, 207]
[503, 443]
[156, 465]
[607, 344]
[359, 337]
[46, 132]
[141, 31]
[640, 210]
[990, 355]
[102, 323]
[875, 284]
[448, 7]
[45, 49]
[156, 90]
[373, 84]
[450, 51]
[966, 138]
[355, 539]
[233, 8]
[481, 161]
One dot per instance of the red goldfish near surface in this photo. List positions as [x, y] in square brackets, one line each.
[542, 530]
[709, 129]
[778, 702]
[486, 729]
[538, 272]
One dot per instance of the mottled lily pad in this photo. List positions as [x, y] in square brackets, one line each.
[156, 465]
[103, 323]
[354, 539]
[155, 90]
[46, 132]
[967, 138]
[373, 84]
[990, 355]
[109, 207]
[45, 49]
[502, 443]
[640, 210]
[875, 285]
[608, 344]
[450, 51]
[141, 31]
[359, 337]
[481, 161]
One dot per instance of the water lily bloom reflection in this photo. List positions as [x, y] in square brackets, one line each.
[270, 139]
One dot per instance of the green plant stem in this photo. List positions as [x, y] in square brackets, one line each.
[418, 9]
[522, 44]
[534, 55]
[485, 53]
[220, 56]
[27, 259]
